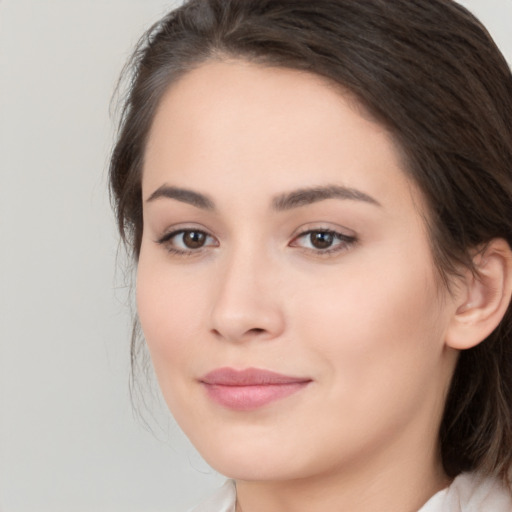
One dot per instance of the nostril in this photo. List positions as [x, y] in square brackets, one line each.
[256, 330]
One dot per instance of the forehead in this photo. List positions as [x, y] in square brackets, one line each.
[229, 125]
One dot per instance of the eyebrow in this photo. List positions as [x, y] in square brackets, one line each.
[305, 196]
[184, 195]
[287, 201]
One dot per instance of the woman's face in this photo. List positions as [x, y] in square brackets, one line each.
[286, 287]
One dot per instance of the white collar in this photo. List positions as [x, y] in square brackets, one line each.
[469, 492]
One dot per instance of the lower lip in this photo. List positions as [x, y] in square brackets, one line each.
[247, 398]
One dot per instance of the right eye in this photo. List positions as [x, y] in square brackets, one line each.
[186, 241]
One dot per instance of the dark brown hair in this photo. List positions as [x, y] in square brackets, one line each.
[430, 73]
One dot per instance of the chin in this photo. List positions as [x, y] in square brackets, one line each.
[255, 468]
[257, 458]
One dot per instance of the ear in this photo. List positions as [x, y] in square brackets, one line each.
[483, 298]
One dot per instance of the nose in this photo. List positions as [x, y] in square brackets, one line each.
[247, 303]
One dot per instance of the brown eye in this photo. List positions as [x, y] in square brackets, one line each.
[194, 239]
[321, 239]
[185, 241]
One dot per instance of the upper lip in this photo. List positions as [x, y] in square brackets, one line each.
[249, 377]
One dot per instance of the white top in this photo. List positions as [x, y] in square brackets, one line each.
[469, 492]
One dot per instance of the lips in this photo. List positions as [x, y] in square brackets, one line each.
[252, 388]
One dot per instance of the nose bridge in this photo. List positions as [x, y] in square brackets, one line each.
[246, 304]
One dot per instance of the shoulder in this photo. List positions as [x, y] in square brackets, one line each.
[471, 492]
[223, 500]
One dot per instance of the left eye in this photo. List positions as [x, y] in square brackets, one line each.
[322, 240]
[186, 240]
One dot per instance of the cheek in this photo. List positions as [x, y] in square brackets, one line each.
[378, 326]
[376, 338]
[167, 306]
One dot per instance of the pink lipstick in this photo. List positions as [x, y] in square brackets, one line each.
[245, 390]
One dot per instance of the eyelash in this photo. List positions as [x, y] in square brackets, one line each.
[344, 242]
[167, 241]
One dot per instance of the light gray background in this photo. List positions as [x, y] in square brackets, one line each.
[68, 439]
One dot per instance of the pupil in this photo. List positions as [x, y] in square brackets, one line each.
[194, 239]
[321, 240]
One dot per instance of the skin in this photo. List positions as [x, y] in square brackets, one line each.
[367, 322]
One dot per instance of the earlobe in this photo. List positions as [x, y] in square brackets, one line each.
[485, 297]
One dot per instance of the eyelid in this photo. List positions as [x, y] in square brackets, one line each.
[166, 240]
[344, 240]
[312, 227]
[341, 240]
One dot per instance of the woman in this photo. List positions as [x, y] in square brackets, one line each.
[318, 196]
